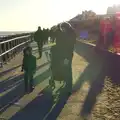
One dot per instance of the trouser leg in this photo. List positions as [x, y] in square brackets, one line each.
[26, 81]
[40, 49]
[68, 78]
[31, 82]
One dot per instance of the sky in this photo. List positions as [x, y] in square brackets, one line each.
[27, 15]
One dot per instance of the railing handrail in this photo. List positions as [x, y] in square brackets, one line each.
[25, 36]
[13, 48]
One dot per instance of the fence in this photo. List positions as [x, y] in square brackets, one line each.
[9, 48]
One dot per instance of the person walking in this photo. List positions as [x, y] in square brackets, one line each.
[38, 37]
[29, 68]
[65, 41]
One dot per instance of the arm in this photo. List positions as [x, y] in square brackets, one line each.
[23, 63]
[35, 65]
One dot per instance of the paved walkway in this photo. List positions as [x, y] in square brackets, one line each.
[13, 67]
[12, 78]
[38, 105]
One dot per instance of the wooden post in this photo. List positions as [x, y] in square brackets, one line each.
[1, 62]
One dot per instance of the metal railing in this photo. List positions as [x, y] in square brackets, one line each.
[9, 48]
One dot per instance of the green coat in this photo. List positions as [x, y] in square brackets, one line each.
[29, 63]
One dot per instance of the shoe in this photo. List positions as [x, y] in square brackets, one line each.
[31, 90]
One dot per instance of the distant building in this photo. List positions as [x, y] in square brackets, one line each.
[113, 9]
[86, 15]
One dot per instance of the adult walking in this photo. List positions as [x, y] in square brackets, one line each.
[38, 37]
[65, 40]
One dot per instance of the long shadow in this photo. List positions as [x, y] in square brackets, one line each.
[42, 107]
[89, 75]
[17, 91]
[59, 105]
[94, 64]
[95, 89]
[37, 109]
[6, 84]
[95, 72]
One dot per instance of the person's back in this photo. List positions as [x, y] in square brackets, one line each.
[38, 35]
[29, 63]
[56, 64]
[66, 41]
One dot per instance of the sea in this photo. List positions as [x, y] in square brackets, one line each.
[6, 33]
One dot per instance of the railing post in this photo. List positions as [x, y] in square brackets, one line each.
[1, 62]
[5, 56]
[8, 47]
[11, 46]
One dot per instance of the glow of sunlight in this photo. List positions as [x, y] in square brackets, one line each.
[28, 14]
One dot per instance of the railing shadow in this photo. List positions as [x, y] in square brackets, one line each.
[6, 71]
[13, 68]
[17, 91]
[42, 107]
[6, 84]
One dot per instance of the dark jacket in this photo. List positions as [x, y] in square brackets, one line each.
[65, 43]
[38, 36]
[29, 63]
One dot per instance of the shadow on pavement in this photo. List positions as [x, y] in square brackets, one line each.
[110, 68]
[6, 71]
[36, 110]
[6, 84]
[94, 67]
[94, 73]
[59, 105]
[95, 89]
[42, 107]
[17, 91]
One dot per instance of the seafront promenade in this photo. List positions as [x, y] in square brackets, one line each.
[15, 105]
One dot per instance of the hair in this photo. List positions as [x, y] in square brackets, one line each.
[39, 27]
[28, 48]
[65, 26]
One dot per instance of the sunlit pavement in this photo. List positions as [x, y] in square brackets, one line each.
[79, 67]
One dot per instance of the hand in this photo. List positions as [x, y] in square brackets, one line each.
[66, 61]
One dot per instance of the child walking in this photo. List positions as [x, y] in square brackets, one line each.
[29, 68]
